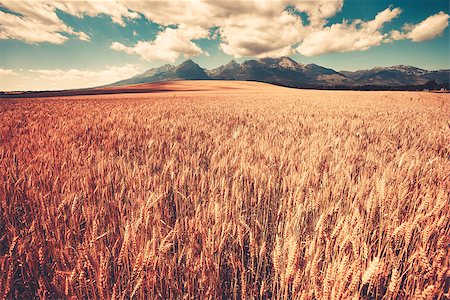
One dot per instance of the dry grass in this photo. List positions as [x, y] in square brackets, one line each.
[280, 195]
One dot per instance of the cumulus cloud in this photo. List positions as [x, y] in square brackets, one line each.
[115, 9]
[270, 28]
[168, 45]
[428, 29]
[344, 37]
[245, 27]
[261, 36]
[319, 11]
[181, 12]
[35, 23]
[248, 28]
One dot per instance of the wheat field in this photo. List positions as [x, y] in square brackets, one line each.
[238, 194]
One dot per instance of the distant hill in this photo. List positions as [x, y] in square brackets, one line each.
[287, 72]
[397, 75]
[187, 70]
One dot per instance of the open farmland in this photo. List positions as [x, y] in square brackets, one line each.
[226, 190]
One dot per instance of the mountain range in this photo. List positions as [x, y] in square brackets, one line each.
[287, 72]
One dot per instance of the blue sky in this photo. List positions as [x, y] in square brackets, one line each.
[75, 44]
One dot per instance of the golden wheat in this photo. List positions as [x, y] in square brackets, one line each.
[280, 195]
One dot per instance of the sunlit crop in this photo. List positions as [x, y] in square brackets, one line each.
[295, 195]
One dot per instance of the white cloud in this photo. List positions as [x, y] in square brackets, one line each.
[261, 36]
[168, 45]
[48, 79]
[430, 28]
[4, 72]
[344, 37]
[381, 18]
[37, 22]
[247, 27]
[319, 11]
[181, 12]
[93, 77]
[115, 9]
